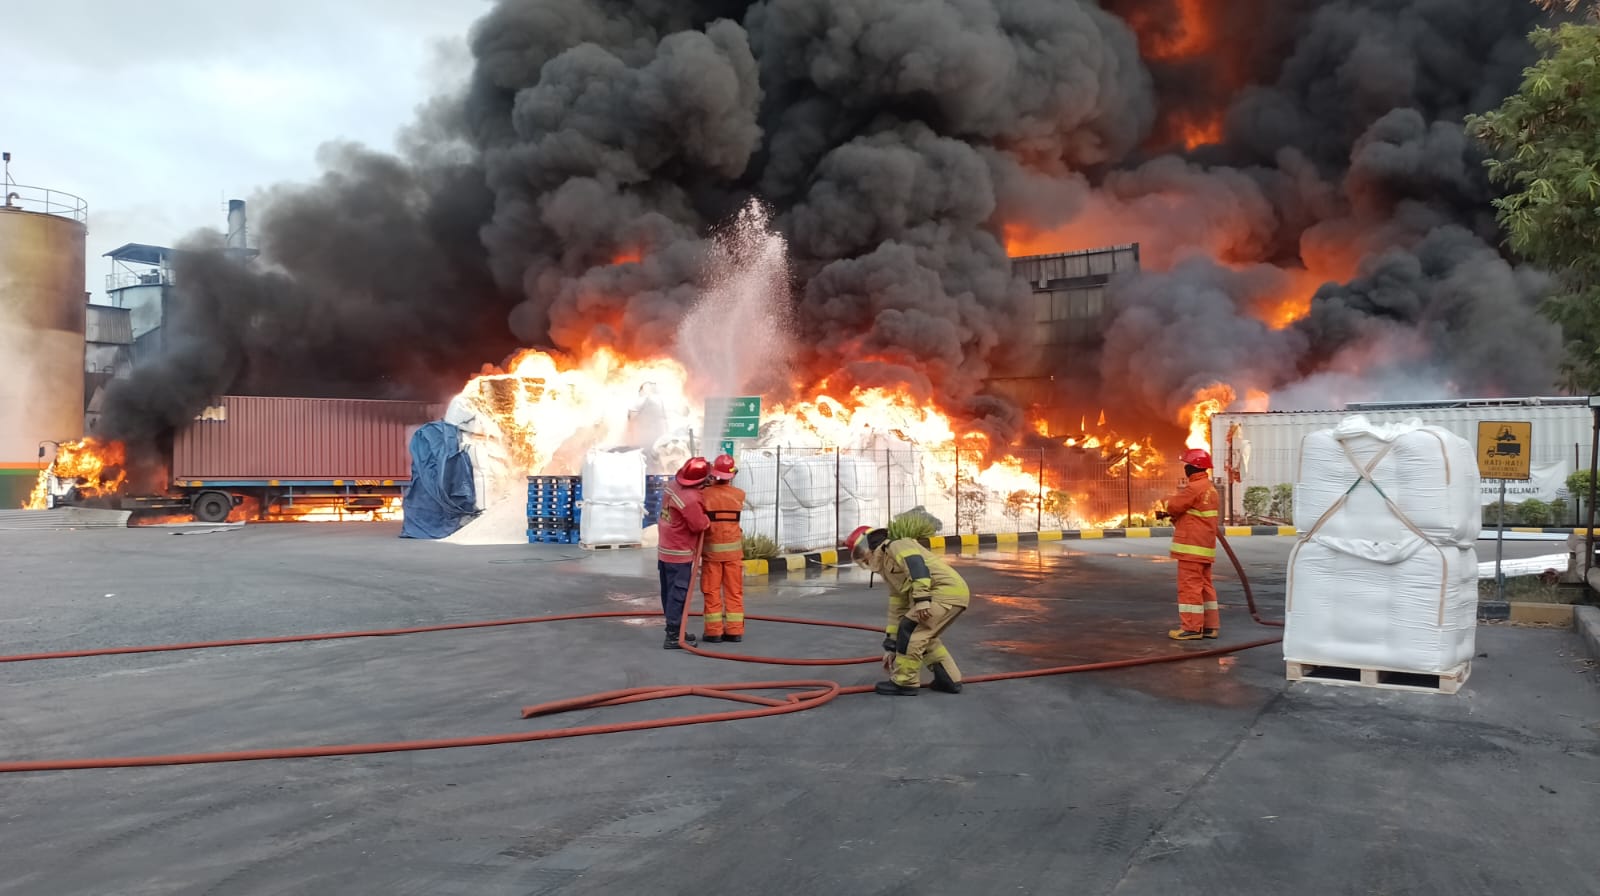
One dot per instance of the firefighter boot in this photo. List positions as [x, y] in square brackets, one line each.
[1180, 634]
[710, 639]
[733, 639]
[890, 689]
[1213, 633]
[942, 680]
[672, 641]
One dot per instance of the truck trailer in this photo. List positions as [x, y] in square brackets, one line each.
[287, 454]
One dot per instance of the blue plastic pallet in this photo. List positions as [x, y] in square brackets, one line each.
[553, 537]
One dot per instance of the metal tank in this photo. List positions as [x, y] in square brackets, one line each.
[42, 311]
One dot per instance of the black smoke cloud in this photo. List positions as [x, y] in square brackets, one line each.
[1350, 157]
[895, 142]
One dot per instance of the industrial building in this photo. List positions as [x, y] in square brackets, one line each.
[127, 330]
[43, 234]
[1070, 312]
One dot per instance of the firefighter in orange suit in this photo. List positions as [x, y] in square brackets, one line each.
[925, 596]
[1194, 545]
[722, 560]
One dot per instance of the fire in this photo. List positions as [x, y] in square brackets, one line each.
[627, 256]
[1190, 35]
[96, 466]
[543, 411]
[1205, 131]
[1256, 401]
[1206, 404]
[373, 509]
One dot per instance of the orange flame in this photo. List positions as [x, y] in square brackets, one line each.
[1206, 404]
[95, 466]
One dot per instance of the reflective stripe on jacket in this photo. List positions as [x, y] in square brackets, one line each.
[916, 574]
[683, 518]
[725, 538]
[1194, 520]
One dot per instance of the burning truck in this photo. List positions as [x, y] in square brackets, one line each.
[260, 457]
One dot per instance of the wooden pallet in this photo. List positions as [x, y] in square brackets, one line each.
[1387, 679]
[611, 547]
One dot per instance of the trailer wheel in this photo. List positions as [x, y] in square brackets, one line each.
[212, 507]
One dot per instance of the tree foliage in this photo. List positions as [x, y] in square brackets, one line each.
[1592, 7]
[1544, 142]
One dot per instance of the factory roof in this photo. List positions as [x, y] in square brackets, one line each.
[140, 253]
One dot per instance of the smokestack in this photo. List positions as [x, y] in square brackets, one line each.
[237, 235]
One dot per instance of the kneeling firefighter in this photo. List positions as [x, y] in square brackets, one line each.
[925, 596]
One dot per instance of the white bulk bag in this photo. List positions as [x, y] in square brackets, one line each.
[611, 524]
[614, 476]
[1404, 606]
[1428, 474]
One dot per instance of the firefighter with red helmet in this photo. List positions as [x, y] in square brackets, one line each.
[722, 559]
[925, 597]
[1194, 511]
[682, 526]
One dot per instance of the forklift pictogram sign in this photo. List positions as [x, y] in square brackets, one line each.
[1503, 450]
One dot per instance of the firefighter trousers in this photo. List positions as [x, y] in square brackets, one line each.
[722, 583]
[1197, 597]
[917, 644]
[675, 578]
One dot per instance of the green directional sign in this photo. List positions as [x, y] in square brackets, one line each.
[727, 447]
[749, 406]
[741, 428]
[741, 416]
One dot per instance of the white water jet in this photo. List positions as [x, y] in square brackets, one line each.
[736, 337]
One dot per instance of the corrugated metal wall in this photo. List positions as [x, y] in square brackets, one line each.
[1560, 433]
[300, 439]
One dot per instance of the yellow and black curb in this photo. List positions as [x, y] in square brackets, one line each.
[799, 564]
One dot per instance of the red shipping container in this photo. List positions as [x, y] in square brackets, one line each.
[240, 438]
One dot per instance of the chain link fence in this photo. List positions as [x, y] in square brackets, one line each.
[810, 497]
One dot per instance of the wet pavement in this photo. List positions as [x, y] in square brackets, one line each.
[1210, 776]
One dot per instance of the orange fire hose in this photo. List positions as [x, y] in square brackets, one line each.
[811, 693]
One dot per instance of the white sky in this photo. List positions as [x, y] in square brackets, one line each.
[157, 118]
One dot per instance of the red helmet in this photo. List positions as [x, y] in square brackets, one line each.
[694, 472]
[851, 539]
[723, 469]
[1197, 457]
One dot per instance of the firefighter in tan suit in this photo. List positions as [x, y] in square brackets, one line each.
[925, 597]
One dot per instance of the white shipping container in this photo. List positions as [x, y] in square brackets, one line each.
[1562, 430]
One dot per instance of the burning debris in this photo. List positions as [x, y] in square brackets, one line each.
[1295, 172]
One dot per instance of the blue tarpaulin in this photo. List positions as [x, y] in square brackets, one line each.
[442, 496]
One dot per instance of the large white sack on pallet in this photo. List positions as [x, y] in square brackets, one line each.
[1431, 475]
[758, 476]
[759, 521]
[859, 477]
[809, 481]
[807, 528]
[601, 524]
[1377, 605]
[855, 512]
[614, 476]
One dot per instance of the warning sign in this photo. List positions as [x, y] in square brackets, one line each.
[1504, 451]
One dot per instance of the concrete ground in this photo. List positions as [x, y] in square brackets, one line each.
[1195, 778]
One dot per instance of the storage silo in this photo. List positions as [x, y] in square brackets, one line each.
[42, 311]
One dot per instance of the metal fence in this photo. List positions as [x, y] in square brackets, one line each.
[24, 197]
[1032, 490]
